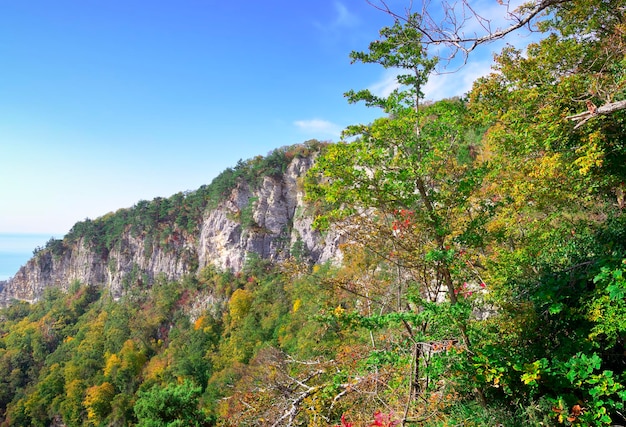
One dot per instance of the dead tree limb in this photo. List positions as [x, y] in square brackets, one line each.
[593, 111]
[461, 27]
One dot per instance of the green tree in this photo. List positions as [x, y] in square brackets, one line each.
[172, 406]
[556, 238]
[404, 190]
[98, 402]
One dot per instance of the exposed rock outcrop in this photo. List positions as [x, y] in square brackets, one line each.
[268, 219]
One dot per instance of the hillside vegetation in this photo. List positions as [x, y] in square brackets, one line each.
[482, 283]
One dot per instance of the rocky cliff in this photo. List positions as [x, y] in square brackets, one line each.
[266, 216]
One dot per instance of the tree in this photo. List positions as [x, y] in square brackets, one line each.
[404, 190]
[502, 225]
[123, 368]
[461, 27]
[458, 28]
[98, 402]
[172, 406]
[555, 236]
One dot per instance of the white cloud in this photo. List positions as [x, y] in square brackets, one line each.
[343, 18]
[456, 83]
[439, 86]
[319, 127]
[386, 84]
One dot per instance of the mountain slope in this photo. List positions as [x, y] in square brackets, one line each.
[255, 208]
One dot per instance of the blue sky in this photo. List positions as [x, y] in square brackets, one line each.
[107, 102]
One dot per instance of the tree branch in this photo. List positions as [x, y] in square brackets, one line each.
[450, 31]
[592, 112]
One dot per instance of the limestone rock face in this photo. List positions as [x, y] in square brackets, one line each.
[269, 220]
[49, 270]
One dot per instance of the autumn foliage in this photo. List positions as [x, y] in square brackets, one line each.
[482, 279]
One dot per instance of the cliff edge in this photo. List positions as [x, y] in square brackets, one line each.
[256, 209]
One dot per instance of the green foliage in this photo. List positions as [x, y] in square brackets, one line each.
[607, 308]
[399, 47]
[482, 280]
[246, 218]
[254, 170]
[406, 190]
[173, 406]
[87, 360]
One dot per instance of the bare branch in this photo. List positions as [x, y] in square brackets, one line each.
[291, 413]
[451, 28]
[593, 111]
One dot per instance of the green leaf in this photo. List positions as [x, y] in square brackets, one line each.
[556, 308]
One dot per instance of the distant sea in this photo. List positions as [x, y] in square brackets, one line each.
[16, 249]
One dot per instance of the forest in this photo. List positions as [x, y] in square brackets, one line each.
[483, 280]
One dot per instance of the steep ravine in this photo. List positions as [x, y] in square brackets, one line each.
[268, 219]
